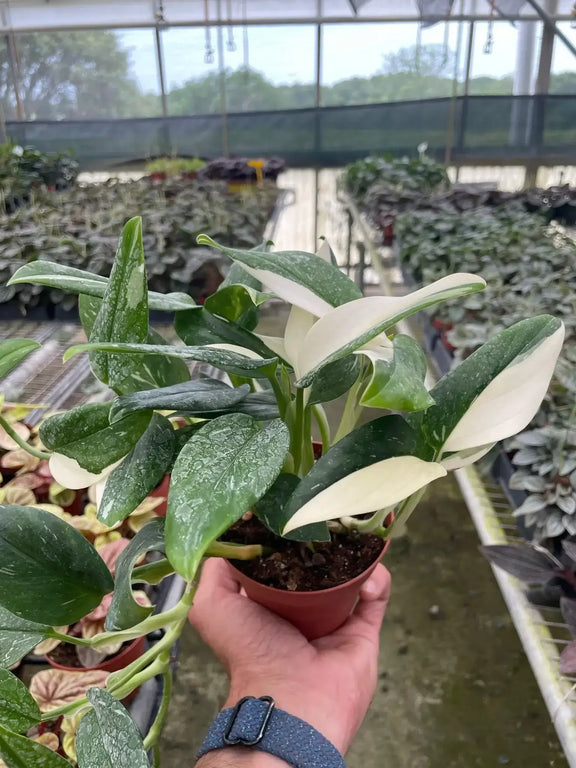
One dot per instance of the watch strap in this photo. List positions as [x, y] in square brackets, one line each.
[258, 724]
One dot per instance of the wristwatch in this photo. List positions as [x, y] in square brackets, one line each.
[257, 723]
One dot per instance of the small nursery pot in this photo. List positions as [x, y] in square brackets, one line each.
[314, 613]
[126, 656]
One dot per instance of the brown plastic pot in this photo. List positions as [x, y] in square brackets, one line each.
[126, 656]
[314, 613]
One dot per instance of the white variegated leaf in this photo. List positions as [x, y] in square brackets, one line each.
[511, 400]
[70, 474]
[464, 458]
[344, 329]
[380, 485]
[290, 291]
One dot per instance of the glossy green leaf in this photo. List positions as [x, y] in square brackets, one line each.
[383, 438]
[86, 435]
[398, 384]
[271, 510]
[221, 472]
[20, 752]
[18, 709]
[303, 279]
[196, 397]
[49, 572]
[18, 637]
[155, 370]
[124, 611]
[334, 380]
[123, 315]
[139, 473]
[237, 303]
[108, 737]
[495, 392]
[13, 351]
[231, 362]
[79, 281]
[196, 329]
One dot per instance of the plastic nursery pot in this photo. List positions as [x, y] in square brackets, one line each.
[314, 613]
[127, 655]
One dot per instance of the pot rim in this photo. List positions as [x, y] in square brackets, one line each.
[100, 667]
[311, 593]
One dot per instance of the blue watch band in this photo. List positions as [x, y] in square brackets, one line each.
[257, 723]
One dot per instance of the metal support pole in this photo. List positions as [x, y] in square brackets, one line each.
[161, 71]
[222, 70]
[551, 25]
[15, 72]
[450, 128]
[541, 92]
[466, 92]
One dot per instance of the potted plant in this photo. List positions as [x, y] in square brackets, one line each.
[242, 459]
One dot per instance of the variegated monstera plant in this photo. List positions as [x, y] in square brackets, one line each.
[244, 444]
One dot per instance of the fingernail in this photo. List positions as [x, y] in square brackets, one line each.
[370, 589]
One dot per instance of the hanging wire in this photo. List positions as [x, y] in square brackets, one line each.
[489, 44]
[230, 42]
[245, 43]
[208, 50]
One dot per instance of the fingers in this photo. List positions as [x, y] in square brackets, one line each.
[378, 585]
[217, 582]
[364, 624]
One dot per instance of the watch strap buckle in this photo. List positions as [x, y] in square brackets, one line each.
[265, 715]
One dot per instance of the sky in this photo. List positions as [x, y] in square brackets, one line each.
[285, 54]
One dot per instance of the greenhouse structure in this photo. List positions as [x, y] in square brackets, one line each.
[287, 383]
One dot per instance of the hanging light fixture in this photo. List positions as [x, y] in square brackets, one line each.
[489, 44]
[208, 50]
[230, 42]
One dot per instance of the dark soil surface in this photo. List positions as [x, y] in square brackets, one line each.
[66, 655]
[293, 566]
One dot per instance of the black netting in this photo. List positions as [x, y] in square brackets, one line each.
[481, 126]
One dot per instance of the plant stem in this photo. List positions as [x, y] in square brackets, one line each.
[405, 510]
[156, 755]
[351, 412]
[371, 525]
[22, 443]
[153, 573]
[297, 433]
[323, 426]
[66, 709]
[279, 393]
[154, 733]
[307, 448]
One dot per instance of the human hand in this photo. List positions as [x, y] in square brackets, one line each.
[329, 682]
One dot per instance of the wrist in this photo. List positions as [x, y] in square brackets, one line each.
[239, 757]
[313, 709]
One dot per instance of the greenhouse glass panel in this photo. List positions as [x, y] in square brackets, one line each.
[563, 75]
[386, 62]
[493, 64]
[86, 75]
[266, 68]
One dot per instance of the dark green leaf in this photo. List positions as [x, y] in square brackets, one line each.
[17, 637]
[380, 439]
[49, 573]
[18, 710]
[124, 611]
[231, 362]
[334, 380]
[155, 371]
[79, 281]
[20, 752]
[108, 737]
[221, 472]
[237, 303]
[196, 329]
[123, 315]
[398, 384]
[195, 397]
[13, 351]
[271, 510]
[139, 473]
[86, 435]
[305, 269]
